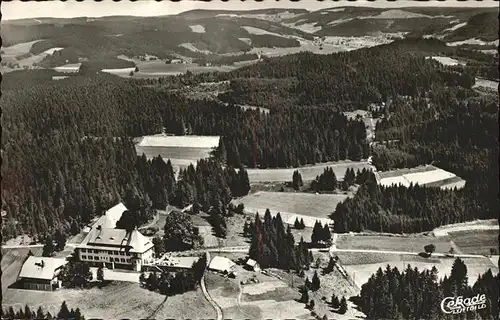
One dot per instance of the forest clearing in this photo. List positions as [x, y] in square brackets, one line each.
[411, 243]
[428, 175]
[307, 172]
[307, 206]
[360, 273]
[475, 241]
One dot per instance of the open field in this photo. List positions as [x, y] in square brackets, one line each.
[447, 61]
[115, 301]
[19, 54]
[413, 243]
[360, 273]
[180, 150]
[12, 261]
[423, 175]
[308, 206]
[491, 224]
[475, 241]
[307, 172]
[271, 298]
[68, 68]
[158, 68]
[18, 49]
[486, 83]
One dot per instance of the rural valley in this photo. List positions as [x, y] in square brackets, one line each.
[335, 163]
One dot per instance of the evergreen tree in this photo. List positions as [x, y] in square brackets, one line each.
[343, 306]
[304, 298]
[63, 312]
[60, 240]
[315, 284]
[302, 224]
[296, 224]
[48, 248]
[297, 180]
[335, 301]
[39, 313]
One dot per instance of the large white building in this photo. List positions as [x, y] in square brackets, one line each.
[115, 248]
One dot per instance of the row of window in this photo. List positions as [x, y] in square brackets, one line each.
[121, 253]
[123, 260]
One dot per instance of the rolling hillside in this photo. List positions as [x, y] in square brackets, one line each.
[198, 34]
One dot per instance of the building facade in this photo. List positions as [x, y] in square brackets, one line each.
[115, 248]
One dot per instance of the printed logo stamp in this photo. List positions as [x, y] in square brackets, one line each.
[456, 305]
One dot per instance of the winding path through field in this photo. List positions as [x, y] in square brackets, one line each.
[207, 295]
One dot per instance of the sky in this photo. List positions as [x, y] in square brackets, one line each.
[58, 9]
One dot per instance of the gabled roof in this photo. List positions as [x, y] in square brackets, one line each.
[108, 237]
[32, 267]
[221, 264]
[111, 216]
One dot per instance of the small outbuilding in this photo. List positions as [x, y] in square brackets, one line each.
[252, 265]
[41, 273]
[222, 265]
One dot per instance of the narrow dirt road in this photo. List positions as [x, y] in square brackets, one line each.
[207, 295]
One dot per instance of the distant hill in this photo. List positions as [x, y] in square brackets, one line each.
[197, 33]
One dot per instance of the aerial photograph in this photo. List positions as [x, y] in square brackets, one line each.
[250, 160]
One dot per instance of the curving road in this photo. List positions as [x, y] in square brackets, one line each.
[207, 295]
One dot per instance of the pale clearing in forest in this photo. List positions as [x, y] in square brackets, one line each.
[474, 41]
[191, 47]
[447, 61]
[180, 141]
[292, 205]
[475, 266]
[257, 31]
[307, 172]
[260, 288]
[197, 28]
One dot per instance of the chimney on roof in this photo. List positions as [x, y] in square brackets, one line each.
[42, 264]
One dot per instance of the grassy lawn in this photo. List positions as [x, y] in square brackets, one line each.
[115, 301]
[360, 267]
[475, 241]
[292, 205]
[307, 172]
[12, 261]
[397, 243]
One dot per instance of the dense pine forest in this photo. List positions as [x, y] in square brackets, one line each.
[272, 246]
[403, 210]
[416, 294]
[456, 130]
[68, 149]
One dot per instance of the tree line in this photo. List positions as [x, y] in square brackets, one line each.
[400, 209]
[272, 246]
[456, 130]
[27, 313]
[416, 294]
